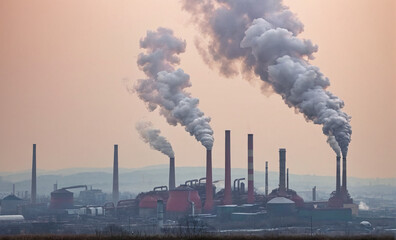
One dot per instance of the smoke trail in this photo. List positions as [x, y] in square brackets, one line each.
[363, 206]
[152, 136]
[165, 86]
[334, 145]
[260, 35]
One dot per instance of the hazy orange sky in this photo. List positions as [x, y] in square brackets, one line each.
[64, 64]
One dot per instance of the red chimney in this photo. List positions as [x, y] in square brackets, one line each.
[250, 170]
[209, 186]
[227, 185]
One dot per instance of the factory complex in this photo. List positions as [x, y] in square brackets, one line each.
[195, 206]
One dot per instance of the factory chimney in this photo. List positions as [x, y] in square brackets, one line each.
[287, 179]
[314, 194]
[338, 177]
[250, 170]
[282, 166]
[34, 177]
[209, 185]
[266, 178]
[172, 173]
[13, 189]
[227, 184]
[344, 175]
[116, 193]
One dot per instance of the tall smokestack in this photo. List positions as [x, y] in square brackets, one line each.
[172, 173]
[250, 170]
[338, 177]
[266, 178]
[13, 189]
[34, 177]
[314, 194]
[116, 194]
[287, 179]
[209, 186]
[282, 166]
[344, 174]
[227, 185]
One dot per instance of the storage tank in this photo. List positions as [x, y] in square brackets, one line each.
[61, 199]
[280, 206]
[180, 201]
[148, 205]
[148, 201]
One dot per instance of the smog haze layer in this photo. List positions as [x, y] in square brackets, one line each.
[65, 67]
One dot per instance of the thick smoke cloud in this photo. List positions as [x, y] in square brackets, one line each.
[152, 136]
[165, 86]
[261, 36]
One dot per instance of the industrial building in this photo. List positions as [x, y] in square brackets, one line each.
[10, 204]
[197, 199]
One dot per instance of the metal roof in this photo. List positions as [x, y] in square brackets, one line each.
[280, 200]
[11, 218]
[11, 197]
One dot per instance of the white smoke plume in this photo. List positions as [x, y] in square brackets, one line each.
[363, 206]
[152, 136]
[334, 145]
[261, 36]
[165, 86]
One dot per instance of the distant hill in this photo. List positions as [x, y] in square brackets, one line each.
[145, 179]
